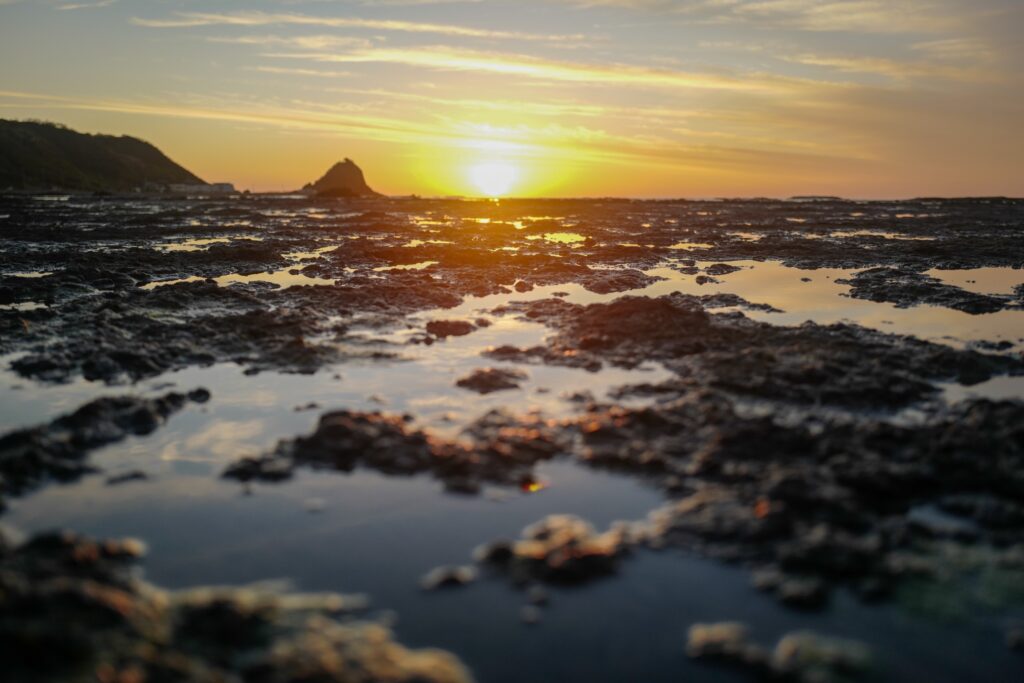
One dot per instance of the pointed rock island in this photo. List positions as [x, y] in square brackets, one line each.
[344, 179]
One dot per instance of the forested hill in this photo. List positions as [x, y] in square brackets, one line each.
[39, 155]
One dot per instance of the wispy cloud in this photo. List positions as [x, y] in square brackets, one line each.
[577, 142]
[367, 127]
[316, 73]
[250, 19]
[872, 16]
[894, 68]
[322, 42]
[528, 66]
[86, 5]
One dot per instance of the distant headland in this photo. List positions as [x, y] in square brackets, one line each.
[37, 155]
[40, 156]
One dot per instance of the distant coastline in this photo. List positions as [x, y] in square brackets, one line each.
[45, 158]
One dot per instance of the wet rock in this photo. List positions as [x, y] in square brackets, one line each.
[706, 280]
[833, 365]
[726, 642]
[721, 269]
[907, 288]
[70, 605]
[500, 552]
[448, 577]
[489, 380]
[449, 328]
[807, 656]
[58, 450]
[314, 505]
[802, 593]
[536, 595]
[502, 449]
[992, 346]
[625, 328]
[800, 656]
[723, 300]
[134, 475]
[826, 508]
[985, 509]
[1015, 639]
[133, 346]
[530, 615]
[608, 281]
[793, 591]
[342, 440]
[200, 395]
[558, 549]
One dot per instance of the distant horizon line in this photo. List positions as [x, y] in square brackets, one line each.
[474, 198]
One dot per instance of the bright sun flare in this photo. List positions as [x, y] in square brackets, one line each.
[493, 178]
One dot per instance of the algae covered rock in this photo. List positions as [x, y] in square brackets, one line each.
[73, 609]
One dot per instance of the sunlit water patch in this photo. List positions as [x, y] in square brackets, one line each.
[982, 280]
[203, 243]
[423, 265]
[311, 255]
[283, 278]
[23, 306]
[691, 246]
[572, 238]
[815, 295]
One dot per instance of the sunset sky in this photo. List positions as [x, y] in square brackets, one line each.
[645, 98]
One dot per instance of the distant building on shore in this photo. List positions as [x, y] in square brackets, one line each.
[201, 188]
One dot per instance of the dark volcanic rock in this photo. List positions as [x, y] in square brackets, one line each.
[503, 450]
[448, 577]
[725, 300]
[907, 288]
[29, 457]
[608, 281]
[489, 380]
[625, 327]
[837, 365]
[449, 328]
[139, 334]
[721, 269]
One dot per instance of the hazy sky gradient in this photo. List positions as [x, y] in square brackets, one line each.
[861, 98]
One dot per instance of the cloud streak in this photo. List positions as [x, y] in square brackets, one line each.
[527, 66]
[871, 16]
[251, 19]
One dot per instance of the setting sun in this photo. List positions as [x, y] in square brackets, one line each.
[493, 178]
